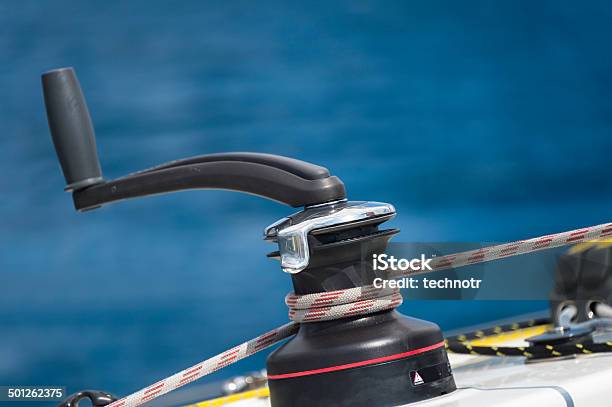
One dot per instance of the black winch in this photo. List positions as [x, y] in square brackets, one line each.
[385, 356]
[328, 246]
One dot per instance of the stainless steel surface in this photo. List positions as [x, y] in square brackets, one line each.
[291, 233]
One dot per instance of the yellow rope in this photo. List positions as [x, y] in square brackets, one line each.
[512, 336]
[221, 401]
[597, 244]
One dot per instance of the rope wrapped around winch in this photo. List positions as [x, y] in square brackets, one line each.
[362, 301]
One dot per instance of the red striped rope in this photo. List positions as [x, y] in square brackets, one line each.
[352, 302]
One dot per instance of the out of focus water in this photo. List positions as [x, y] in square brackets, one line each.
[480, 121]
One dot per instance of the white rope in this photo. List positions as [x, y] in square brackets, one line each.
[351, 302]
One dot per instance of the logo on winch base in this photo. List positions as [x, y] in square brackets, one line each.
[417, 379]
[430, 374]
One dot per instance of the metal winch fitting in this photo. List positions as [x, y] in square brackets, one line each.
[291, 233]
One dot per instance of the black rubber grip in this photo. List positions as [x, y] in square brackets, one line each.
[71, 128]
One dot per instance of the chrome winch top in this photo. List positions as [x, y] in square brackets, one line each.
[291, 233]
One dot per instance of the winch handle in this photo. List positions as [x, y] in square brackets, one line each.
[283, 179]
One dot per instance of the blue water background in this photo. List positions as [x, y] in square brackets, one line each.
[479, 121]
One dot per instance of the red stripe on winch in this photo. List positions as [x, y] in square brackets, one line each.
[356, 364]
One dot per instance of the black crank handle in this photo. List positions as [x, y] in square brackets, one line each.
[252, 176]
[293, 182]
